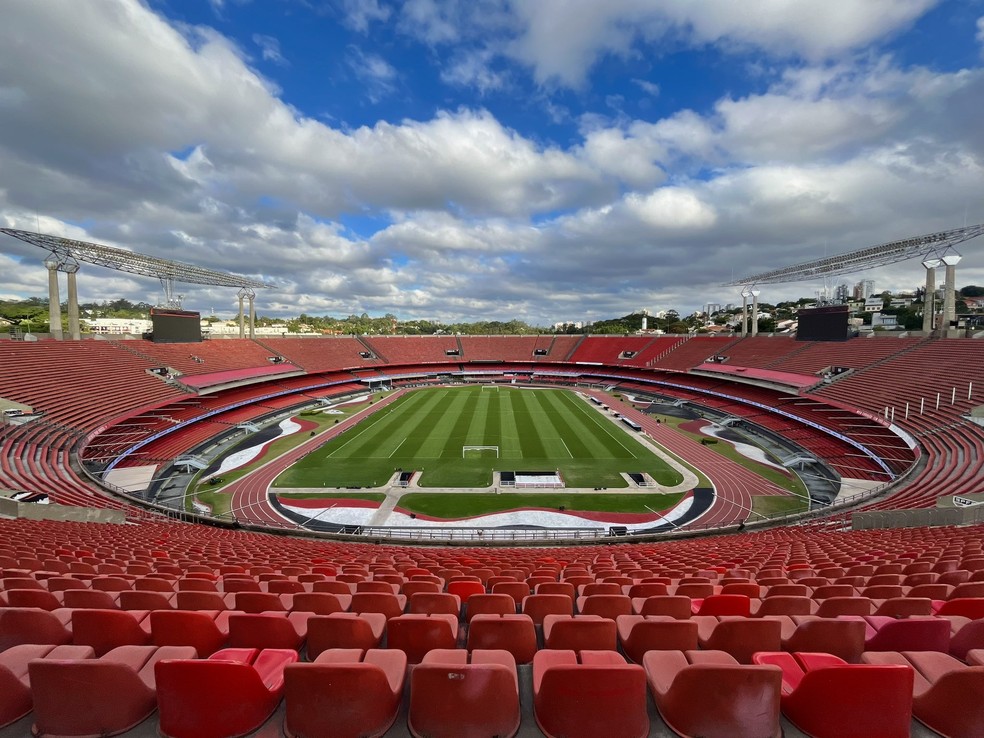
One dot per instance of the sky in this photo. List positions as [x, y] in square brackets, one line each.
[462, 160]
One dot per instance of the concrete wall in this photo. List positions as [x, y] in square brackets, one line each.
[33, 511]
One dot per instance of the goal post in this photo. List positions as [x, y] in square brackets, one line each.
[480, 450]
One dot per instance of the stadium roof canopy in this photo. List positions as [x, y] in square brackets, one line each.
[873, 256]
[130, 261]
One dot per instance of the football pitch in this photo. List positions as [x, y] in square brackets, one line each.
[429, 430]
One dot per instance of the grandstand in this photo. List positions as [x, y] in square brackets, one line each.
[661, 622]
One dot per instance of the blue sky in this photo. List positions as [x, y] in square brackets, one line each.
[459, 160]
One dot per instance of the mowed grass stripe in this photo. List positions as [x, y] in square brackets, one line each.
[509, 444]
[530, 443]
[475, 435]
[625, 447]
[392, 428]
[553, 446]
[571, 429]
[365, 428]
[492, 431]
[432, 434]
[458, 435]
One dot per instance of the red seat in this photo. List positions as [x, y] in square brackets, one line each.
[912, 634]
[490, 604]
[15, 687]
[538, 606]
[268, 629]
[231, 693]
[709, 694]
[40, 598]
[600, 695]
[722, 604]
[516, 590]
[465, 588]
[103, 696]
[416, 634]
[147, 600]
[433, 603]
[388, 604]
[676, 606]
[810, 633]
[348, 693]
[21, 625]
[256, 602]
[206, 630]
[105, 630]
[344, 630]
[641, 633]
[948, 696]
[740, 637]
[824, 696]
[457, 694]
[513, 633]
[579, 632]
[91, 598]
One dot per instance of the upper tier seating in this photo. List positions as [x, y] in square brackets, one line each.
[321, 354]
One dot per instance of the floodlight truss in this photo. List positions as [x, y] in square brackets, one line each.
[873, 256]
[67, 250]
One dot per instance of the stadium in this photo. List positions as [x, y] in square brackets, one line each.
[552, 505]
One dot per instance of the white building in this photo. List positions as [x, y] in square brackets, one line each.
[119, 326]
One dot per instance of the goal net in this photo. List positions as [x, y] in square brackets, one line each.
[479, 451]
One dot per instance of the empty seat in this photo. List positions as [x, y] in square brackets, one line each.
[740, 637]
[824, 696]
[605, 605]
[594, 693]
[513, 633]
[538, 606]
[912, 634]
[231, 693]
[348, 693]
[516, 590]
[489, 604]
[268, 629]
[206, 630]
[676, 606]
[21, 625]
[948, 696]
[105, 630]
[416, 634]
[709, 694]
[579, 632]
[321, 603]
[722, 604]
[641, 633]
[432, 603]
[388, 604]
[344, 630]
[455, 693]
[104, 696]
[809, 633]
[16, 699]
[465, 588]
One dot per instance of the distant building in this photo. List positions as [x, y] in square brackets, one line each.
[119, 326]
[864, 289]
[711, 308]
[842, 293]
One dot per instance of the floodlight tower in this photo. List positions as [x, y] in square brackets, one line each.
[755, 311]
[52, 264]
[745, 294]
[929, 300]
[71, 267]
[950, 261]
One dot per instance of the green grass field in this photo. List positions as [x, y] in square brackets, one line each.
[425, 430]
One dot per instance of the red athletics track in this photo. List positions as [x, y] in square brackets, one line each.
[249, 494]
[732, 482]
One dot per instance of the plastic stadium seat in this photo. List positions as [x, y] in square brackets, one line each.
[740, 637]
[833, 607]
[784, 605]
[967, 607]
[598, 695]
[20, 625]
[206, 630]
[538, 606]
[457, 694]
[333, 587]
[975, 657]
[709, 694]
[256, 602]
[231, 693]
[416, 634]
[823, 696]
[321, 603]
[599, 588]
[388, 604]
[105, 630]
[722, 604]
[285, 586]
[513, 633]
[465, 588]
[810, 633]
[648, 589]
[91, 598]
[194, 600]
[676, 606]
[344, 630]
[605, 605]
[516, 590]
[377, 586]
[268, 629]
[348, 693]
[104, 696]
[641, 633]
[15, 687]
[413, 587]
[40, 598]
[912, 634]
[579, 632]
[433, 603]
[965, 635]
[147, 600]
[948, 695]
[489, 604]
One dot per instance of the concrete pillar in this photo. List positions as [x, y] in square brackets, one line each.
[54, 301]
[950, 261]
[74, 328]
[755, 312]
[929, 301]
[252, 315]
[242, 326]
[744, 313]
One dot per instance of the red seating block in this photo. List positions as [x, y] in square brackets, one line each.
[709, 694]
[641, 633]
[230, 694]
[948, 696]
[348, 693]
[344, 630]
[416, 634]
[15, 687]
[822, 695]
[455, 694]
[579, 632]
[513, 633]
[600, 695]
[104, 696]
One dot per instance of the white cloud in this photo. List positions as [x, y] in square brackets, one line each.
[269, 48]
[360, 14]
[377, 74]
[980, 30]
